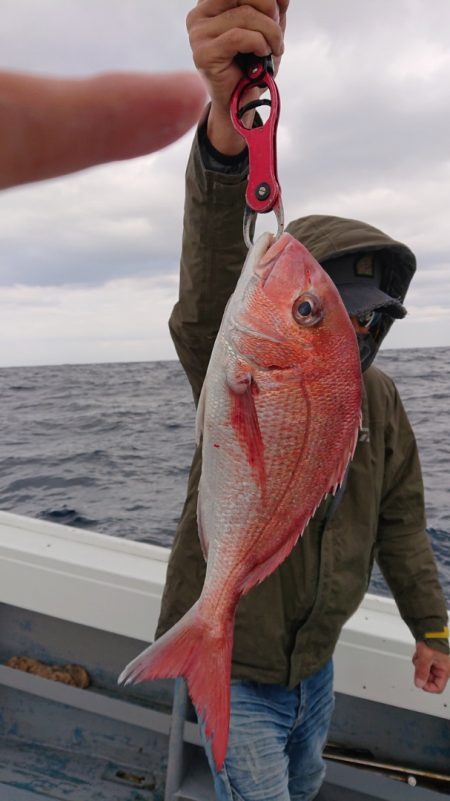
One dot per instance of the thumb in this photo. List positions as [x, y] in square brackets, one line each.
[422, 662]
[53, 126]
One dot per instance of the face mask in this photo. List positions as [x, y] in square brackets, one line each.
[368, 348]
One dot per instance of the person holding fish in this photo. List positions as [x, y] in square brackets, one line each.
[289, 409]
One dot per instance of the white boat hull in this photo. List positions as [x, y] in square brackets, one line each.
[74, 595]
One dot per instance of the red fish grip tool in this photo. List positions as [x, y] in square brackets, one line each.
[263, 189]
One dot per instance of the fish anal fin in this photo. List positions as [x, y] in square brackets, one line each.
[204, 542]
[339, 474]
[264, 569]
[200, 416]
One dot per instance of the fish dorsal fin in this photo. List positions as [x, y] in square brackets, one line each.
[244, 421]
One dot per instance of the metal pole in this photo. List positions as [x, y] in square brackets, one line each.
[175, 766]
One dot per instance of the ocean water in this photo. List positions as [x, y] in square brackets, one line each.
[108, 446]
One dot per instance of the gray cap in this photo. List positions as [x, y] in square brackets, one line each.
[331, 239]
[358, 277]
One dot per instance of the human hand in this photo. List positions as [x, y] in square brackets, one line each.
[51, 126]
[432, 668]
[218, 31]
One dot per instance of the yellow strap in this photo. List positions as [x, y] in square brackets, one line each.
[435, 635]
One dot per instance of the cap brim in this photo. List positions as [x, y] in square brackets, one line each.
[359, 299]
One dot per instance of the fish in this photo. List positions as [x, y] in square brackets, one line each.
[278, 419]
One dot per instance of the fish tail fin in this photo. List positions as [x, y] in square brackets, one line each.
[202, 654]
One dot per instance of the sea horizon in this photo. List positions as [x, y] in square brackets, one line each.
[107, 446]
[175, 359]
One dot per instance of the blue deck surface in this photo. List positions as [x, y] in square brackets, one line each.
[46, 773]
[60, 743]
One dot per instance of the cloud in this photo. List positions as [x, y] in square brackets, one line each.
[363, 133]
[74, 38]
[119, 219]
[122, 320]
[429, 314]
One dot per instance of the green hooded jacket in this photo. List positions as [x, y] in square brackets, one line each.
[287, 627]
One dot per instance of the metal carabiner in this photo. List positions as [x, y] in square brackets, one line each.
[263, 192]
[250, 220]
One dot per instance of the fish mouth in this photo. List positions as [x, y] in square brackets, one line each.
[262, 271]
[277, 249]
[265, 267]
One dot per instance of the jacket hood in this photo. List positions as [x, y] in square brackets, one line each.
[329, 238]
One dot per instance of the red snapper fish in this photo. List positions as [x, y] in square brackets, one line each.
[279, 415]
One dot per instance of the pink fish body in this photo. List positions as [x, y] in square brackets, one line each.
[279, 415]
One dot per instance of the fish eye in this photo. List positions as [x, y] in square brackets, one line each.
[307, 309]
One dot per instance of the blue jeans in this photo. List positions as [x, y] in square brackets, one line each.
[276, 740]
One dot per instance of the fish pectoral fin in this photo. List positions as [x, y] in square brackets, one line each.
[238, 377]
[200, 416]
[245, 423]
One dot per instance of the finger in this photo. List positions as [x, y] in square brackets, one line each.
[437, 681]
[228, 45]
[247, 18]
[283, 7]
[422, 671]
[160, 109]
[276, 9]
[49, 127]
[213, 8]
[244, 20]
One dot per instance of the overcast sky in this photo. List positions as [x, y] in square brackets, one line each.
[88, 263]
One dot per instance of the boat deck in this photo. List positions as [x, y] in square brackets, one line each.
[80, 597]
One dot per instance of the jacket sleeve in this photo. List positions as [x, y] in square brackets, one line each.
[404, 551]
[213, 254]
